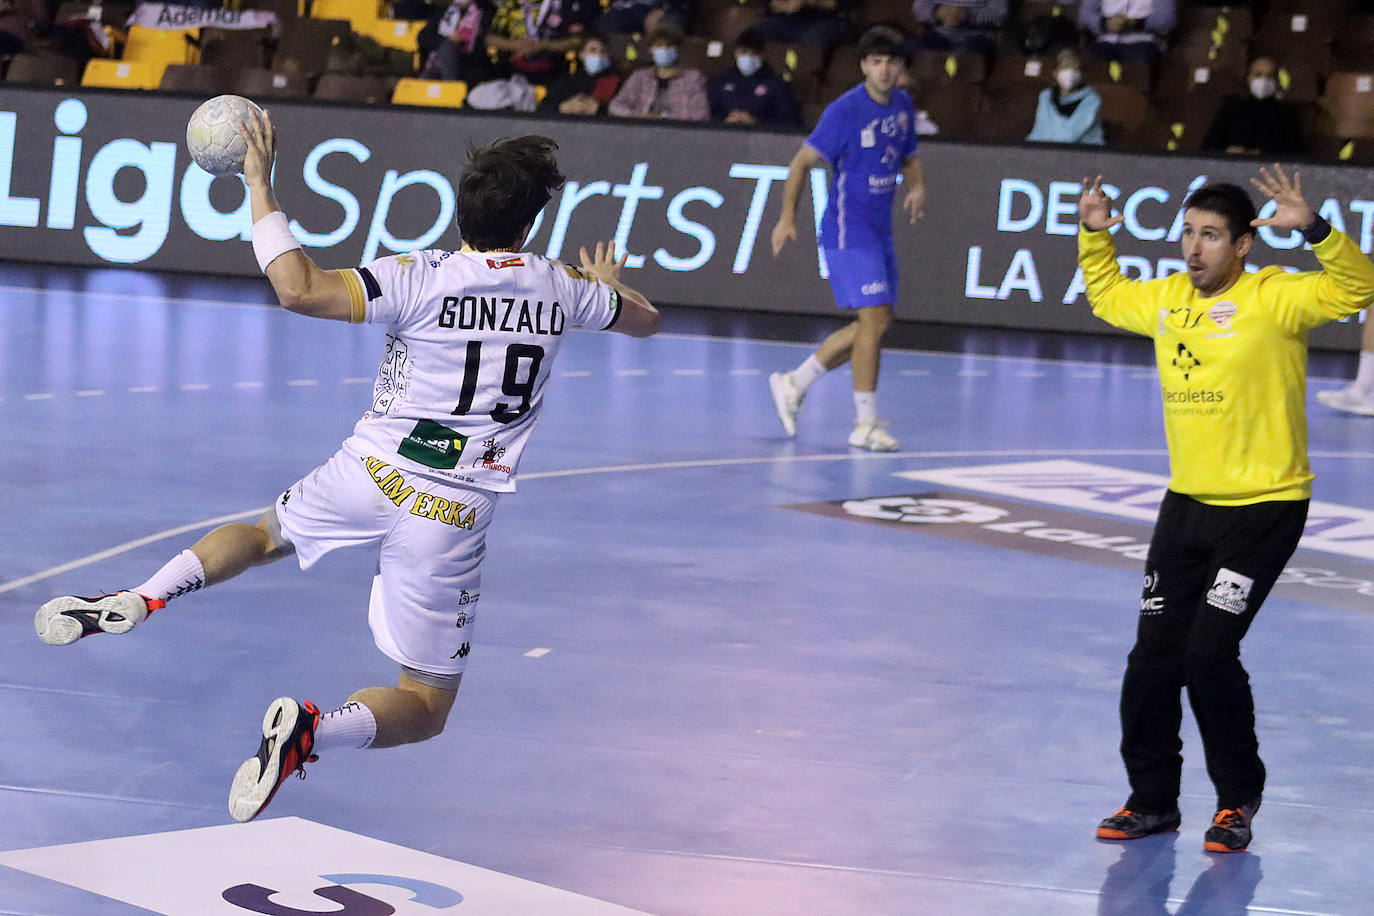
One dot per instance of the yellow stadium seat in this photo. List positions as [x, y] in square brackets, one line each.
[160, 47]
[121, 74]
[438, 93]
[396, 33]
[359, 13]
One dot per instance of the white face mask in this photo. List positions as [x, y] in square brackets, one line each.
[748, 64]
[665, 57]
[1068, 79]
[595, 63]
[1262, 87]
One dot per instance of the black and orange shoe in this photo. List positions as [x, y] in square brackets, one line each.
[1230, 830]
[288, 737]
[62, 621]
[1132, 825]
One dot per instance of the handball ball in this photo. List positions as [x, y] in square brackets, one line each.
[212, 134]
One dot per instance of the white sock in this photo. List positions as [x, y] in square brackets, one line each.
[183, 573]
[866, 406]
[1364, 376]
[351, 725]
[805, 375]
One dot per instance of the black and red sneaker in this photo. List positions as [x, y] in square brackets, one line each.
[62, 621]
[1126, 824]
[288, 737]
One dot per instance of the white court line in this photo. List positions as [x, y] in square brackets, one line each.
[632, 372]
[537, 653]
[671, 335]
[195, 386]
[38, 397]
[603, 469]
[746, 372]
[89, 392]
[656, 466]
[302, 382]
[689, 372]
[358, 380]
[248, 384]
[141, 389]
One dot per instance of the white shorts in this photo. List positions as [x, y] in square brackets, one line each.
[430, 538]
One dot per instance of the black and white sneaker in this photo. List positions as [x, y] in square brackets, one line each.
[288, 737]
[62, 621]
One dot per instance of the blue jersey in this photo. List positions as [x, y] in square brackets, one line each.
[865, 144]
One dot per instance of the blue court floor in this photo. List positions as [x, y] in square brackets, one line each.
[716, 671]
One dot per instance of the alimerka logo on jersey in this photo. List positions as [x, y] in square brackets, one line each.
[499, 263]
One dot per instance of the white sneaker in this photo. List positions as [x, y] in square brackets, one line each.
[1349, 399]
[873, 437]
[787, 398]
[62, 621]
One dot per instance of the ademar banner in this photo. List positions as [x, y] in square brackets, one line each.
[103, 178]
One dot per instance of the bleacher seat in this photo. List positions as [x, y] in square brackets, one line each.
[360, 14]
[261, 83]
[197, 78]
[342, 87]
[43, 70]
[433, 93]
[159, 48]
[121, 74]
[1348, 105]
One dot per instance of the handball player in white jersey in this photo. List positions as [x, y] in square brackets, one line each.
[471, 338]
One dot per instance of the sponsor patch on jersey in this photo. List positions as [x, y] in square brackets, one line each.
[501, 263]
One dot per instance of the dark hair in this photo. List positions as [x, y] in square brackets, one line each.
[666, 34]
[883, 40]
[505, 186]
[751, 39]
[1230, 202]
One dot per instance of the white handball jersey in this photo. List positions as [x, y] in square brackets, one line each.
[471, 337]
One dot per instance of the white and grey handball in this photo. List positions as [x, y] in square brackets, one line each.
[212, 134]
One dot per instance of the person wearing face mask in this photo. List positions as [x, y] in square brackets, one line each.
[587, 89]
[1259, 123]
[751, 92]
[666, 89]
[1068, 112]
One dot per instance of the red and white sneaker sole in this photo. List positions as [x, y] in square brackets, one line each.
[117, 613]
[255, 783]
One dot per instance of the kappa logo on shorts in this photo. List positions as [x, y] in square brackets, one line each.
[462, 652]
[1230, 591]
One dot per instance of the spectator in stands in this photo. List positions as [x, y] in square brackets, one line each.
[803, 22]
[454, 42]
[1128, 30]
[1068, 112]
[960, 25]
[1259, 123]
[664, 90]
[641, 16]
[21, 21]
[531, 38]
[751, 92]
[589, 88]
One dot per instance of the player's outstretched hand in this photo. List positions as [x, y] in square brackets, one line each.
[262, 148]
[915, 203]
[784, 230]
[603, 264]
[1095, 207]
[1291, 210]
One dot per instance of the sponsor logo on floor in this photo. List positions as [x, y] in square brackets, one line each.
[1329, 567]
[292, 867]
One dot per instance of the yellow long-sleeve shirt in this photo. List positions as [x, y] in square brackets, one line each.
[1233, 367]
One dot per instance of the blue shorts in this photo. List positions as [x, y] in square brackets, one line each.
[862, 277]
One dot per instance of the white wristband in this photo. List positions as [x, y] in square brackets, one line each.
[272, 238]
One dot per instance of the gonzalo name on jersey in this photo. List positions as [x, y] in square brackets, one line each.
[500, 313]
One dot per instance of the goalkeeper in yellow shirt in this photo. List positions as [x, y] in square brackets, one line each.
[1232, 352]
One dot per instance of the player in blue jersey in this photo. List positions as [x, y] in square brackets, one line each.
[868, 138]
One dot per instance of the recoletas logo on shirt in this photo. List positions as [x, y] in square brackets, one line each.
[499, 263]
